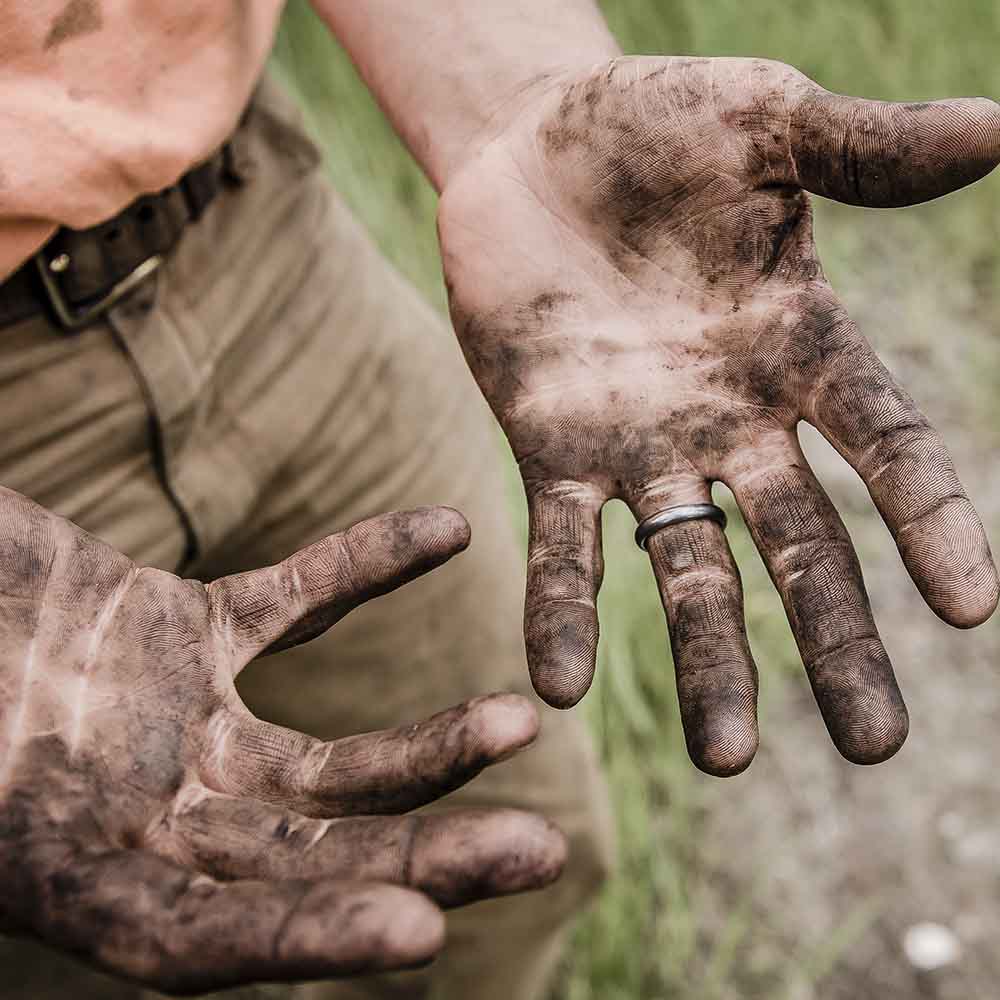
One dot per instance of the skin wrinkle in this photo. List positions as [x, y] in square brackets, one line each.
[217, 732]
[96, 640]
[114, 820]
[672, 331]
[20, 721]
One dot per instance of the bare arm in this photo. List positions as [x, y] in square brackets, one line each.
[443, 69]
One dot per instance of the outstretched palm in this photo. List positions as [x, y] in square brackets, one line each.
[151, 824]
[634, 282]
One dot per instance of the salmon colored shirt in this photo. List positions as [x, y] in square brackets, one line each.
[104, 100]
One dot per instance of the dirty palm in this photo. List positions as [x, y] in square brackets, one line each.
[641, 302]
[156, 828]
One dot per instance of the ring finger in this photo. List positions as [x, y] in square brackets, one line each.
[702, 597]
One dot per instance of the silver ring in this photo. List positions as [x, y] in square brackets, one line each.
[677, 515]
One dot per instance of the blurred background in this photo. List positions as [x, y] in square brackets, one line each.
[806, 877]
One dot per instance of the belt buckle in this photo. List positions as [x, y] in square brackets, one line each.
[76, 317]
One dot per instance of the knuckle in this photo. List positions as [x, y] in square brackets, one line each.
[289, 585]
[700, 581]
[846, 651]
[909, 436]
[556, 550]
[550, 612]
[311, 770]
[347, 562]
[813, 555]
[956, 504]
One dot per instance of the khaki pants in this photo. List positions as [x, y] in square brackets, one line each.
[278, 381]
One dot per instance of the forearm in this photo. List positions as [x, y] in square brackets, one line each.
[444, 69]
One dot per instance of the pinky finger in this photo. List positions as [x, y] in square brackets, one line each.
[182, 933]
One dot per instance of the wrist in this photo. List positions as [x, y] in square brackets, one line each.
[529, 94]
[449, 73]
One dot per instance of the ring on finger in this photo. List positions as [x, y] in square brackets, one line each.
[677, 515]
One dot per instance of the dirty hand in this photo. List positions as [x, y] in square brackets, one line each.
[633, 279]
[151, 825]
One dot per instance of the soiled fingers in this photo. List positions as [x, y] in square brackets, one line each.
[883, 154]
[565, 567]
[876, 426]
[280, 606]
[391, 771]
[812, 562]
[455, 858]
[181, 933]
[716, 675]
[702, 597]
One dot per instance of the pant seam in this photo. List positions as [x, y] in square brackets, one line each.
[157, 448]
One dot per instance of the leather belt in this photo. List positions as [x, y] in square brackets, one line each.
[81, 273]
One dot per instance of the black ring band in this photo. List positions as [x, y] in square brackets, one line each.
[677, 515]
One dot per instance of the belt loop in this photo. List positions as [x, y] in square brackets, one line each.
[200, 186]
[236, 165]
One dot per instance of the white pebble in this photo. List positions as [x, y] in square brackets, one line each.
[931, 946]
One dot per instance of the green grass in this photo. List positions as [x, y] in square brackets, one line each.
[657, 931]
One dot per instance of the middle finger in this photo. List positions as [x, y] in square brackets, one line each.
[811, 559]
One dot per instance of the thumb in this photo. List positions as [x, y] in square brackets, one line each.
[270, 609]
[886, 155]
